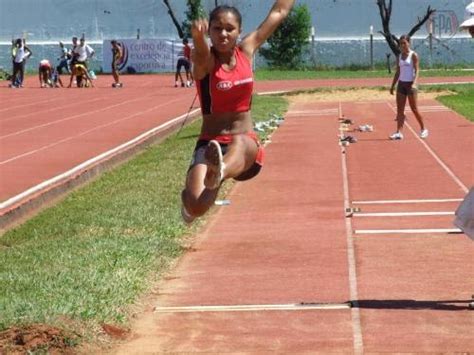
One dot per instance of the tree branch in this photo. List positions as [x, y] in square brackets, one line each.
[386, 13]
[420, 23]
[174, 19]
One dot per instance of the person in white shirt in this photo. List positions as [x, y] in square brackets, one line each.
[468, 23]
[63, 58]
[20, 53]
[83, 52]
[406, 79]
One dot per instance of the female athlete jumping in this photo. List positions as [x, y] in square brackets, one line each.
[227, 147]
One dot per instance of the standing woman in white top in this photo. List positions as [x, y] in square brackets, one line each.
[408, 67]
[20, 53]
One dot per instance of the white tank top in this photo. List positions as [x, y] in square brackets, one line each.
[407, 69]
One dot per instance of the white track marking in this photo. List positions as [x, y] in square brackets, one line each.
[280, 92]
[82, 133]
[407, 231]
[389, 202]
[254, 308]
[30, 104]
[34, 114]
[91, 162]
[433, 154]
[74, 116]
[402, 214]
[358, 342]
[313, 112]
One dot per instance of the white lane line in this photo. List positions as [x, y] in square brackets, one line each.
[254, 308]
[23, 105]
[358, 342]
[70, 118]
[91, 162]
[278, 92]
[402, 214]
[311, 112]
[95, 128]
[389, 202]
[407, 231]
[433, 154]
[55, 108]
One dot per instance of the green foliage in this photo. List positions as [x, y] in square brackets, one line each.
[195, 11]
[288, 42]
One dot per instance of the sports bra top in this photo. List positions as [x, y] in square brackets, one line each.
[407, 69]
[227, 90]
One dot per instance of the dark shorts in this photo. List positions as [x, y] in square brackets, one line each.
[200, 149]
[183, 62]
[406, 88]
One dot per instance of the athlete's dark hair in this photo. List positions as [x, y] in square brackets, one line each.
[405, 37]
[225, 8]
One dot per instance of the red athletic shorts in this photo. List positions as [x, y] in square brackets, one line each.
[224, 141]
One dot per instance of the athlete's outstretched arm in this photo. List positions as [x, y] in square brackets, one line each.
[277, 14]
[201, 53]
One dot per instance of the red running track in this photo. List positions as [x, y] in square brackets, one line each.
[49, 136]
[284, 246]
[47, 132]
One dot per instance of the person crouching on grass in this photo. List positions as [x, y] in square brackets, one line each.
[227, 147]
[406, 75]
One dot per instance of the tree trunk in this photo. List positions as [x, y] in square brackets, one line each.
[386, 13]
[174, 19]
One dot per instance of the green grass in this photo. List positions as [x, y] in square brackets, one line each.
[92, 255]
[462, 103]
[461, 100]
[267, 74]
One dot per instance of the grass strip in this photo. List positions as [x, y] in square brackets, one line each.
[461, 100]
[269, 74]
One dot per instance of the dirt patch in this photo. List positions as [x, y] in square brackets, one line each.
[115, 331]
[355, 95]
[37, 337]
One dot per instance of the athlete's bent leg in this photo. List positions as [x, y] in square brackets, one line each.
[196, 198]
[240, 156]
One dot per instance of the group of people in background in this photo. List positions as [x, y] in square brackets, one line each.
[73, 62]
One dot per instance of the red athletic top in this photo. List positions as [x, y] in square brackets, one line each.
[187, 52]
[227, 91]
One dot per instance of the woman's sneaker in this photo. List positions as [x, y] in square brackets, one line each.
[396, 136]
[424, 134]
[215, 165]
